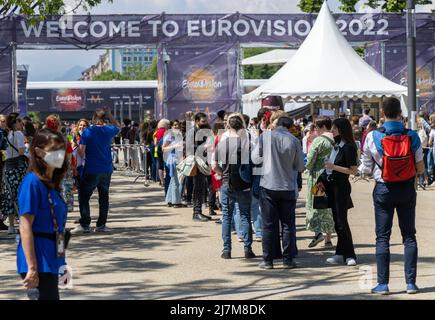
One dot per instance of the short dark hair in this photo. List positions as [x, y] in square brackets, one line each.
[12, 119]
[221, 114]
[246, 118]
[391, 108]
[236, 123]
[199, 116]
[323, 122]
[285, 122]
[127, 122]
[367, 111]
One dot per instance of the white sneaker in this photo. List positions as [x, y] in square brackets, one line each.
[337, 259]
[80, 230]
[350, 262]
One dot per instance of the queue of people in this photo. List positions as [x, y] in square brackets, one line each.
[250, 169]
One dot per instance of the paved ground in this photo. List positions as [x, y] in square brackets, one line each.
[154, 252]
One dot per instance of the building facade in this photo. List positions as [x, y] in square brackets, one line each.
[118, 60]
[121, 59]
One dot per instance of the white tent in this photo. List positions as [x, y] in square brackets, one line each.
[324, 67]
[277, 56]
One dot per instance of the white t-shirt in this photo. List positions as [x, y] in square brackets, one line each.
[17, 139]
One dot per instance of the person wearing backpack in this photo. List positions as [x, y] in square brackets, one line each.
[394, 155]
[232, 152]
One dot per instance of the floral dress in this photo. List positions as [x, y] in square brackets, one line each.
[318, 220]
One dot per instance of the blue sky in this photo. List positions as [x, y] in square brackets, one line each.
[47, 65]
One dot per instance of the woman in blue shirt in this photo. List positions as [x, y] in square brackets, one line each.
[43, 215]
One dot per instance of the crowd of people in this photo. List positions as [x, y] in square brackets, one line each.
[250, 169]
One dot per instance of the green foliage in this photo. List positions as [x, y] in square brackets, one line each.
[133, 72]
[313, 6]
[109, 75]
[310, 6]
[348, 5]
[259, 71]
[393, 5]
[361, 51]
[35, 116]
[44, 8]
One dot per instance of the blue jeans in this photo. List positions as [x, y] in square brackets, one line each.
[236, 221]
[386, 198]
[174, 191]
[88, 183]
[228, 201]
[256, 216]
[430, 162]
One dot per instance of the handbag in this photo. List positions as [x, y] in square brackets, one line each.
[320, 199]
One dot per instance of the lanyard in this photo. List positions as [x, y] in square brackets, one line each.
[53, 214]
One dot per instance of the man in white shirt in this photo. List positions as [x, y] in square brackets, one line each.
[393, 195]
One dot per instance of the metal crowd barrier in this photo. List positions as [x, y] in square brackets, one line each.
[130, 160]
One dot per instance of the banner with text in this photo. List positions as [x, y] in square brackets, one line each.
[201, 79]
[92, 31]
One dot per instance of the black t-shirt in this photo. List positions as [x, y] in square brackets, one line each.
[228, 157]
[347, 157]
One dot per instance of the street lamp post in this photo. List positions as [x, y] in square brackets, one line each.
[411, 60]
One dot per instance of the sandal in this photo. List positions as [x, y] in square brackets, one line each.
[317, 239]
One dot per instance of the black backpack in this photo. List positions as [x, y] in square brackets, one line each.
[235, 180]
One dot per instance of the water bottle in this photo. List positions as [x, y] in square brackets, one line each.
[33, 294]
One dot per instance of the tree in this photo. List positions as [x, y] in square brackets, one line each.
[134, 72]
[109, 75]
[393, 5]
[348, 5]
[310, 6]
[258, 71]
[44, 8]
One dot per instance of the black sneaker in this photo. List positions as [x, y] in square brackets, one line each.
[179, 205]
[199, 217]
[206, 217]
[266, 265]
[226, 255]
[250, 254]
[170, 205]
[289, 265]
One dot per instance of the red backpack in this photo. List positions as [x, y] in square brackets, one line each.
[398, 159]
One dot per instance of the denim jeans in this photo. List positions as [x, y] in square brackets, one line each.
[278, 206]
[402, 198]
[228, 201]
[88, 183]
[236, 221]
[173, 195]
[430, 162]
[167, 179]
[256, 216]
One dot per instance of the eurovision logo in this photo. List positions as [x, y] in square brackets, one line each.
[201, 84]
[68, 100]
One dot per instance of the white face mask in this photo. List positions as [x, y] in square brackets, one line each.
[55, 158]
